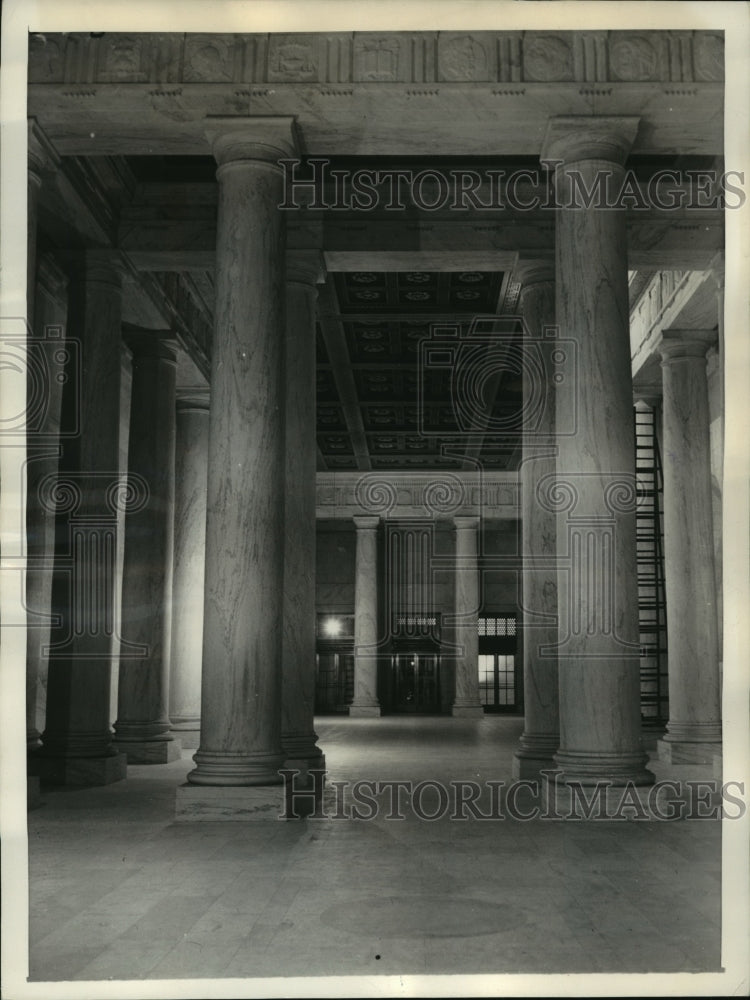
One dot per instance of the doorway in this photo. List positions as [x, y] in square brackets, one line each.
[416, 682]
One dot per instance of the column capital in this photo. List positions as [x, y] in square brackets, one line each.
[193, 397]
[102, 265]
[145, 343]
[677, 344]
[534, 271]
[305, 267]
[365, 523]
[570, 138]
[265, 138]
[465, 522]
[648, 396]
[42, 155]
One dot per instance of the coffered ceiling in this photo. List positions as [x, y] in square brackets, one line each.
[408, 376]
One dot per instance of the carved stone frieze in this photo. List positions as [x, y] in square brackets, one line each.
[379, 57]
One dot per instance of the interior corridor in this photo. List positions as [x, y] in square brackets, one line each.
[120, 890]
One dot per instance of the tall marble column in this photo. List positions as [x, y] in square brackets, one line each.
[189, 565]
[593, 490]
[77, 741]
[466, 703]
[48, 354]
[43, 403]
[298, 737]
[365, 701]
[142, 729]
[43, 161]
[541, 731]
[241, 680]
[694, 728]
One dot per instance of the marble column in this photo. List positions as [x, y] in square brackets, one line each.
[242, 627]
[541, 732]
[142, 729]
[466, 703]
[43, 162]
[594, 489]
[77, 741]
[298, 736]
[694, 728]
[49, 357]
[365, 701]
[189, 565]
[43, 401]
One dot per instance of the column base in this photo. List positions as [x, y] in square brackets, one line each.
[79, 770]
[718, 766]
[33, 796]
[526, 766]
[535, 753]
[150, 751]
[364, 711]
[227, 769]
[189, 734]
[587, 768]
[467, 711]
[676, 752]
[205, 803]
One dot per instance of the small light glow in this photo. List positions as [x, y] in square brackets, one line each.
[332, 626]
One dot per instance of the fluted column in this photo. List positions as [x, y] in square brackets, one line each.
[189, 565]
[241, 680]
[365, 701]
[694, 728]
[142, 728]
[466, 702]
[77, 740]
[298, 736]
[593, 489]
[541, 731]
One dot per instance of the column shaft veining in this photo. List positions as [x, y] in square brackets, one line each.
[365, 701]
[541, 733]
[189, 565]
[466, 633]
[142, 727]
[593, 490]
[240, 740]
[85, 495]
[694, 728]
[42, 406]
[298, 736]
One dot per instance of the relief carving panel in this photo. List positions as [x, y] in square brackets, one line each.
[208, 59]
[708, 57]
[378, 58]
[465, 58]
[293, 58]
[46, 60]
[547, 57]
[121, 58]
[636, 56]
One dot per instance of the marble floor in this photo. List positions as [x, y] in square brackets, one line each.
[118, 890]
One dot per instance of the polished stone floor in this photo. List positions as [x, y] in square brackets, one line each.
[120, 891]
